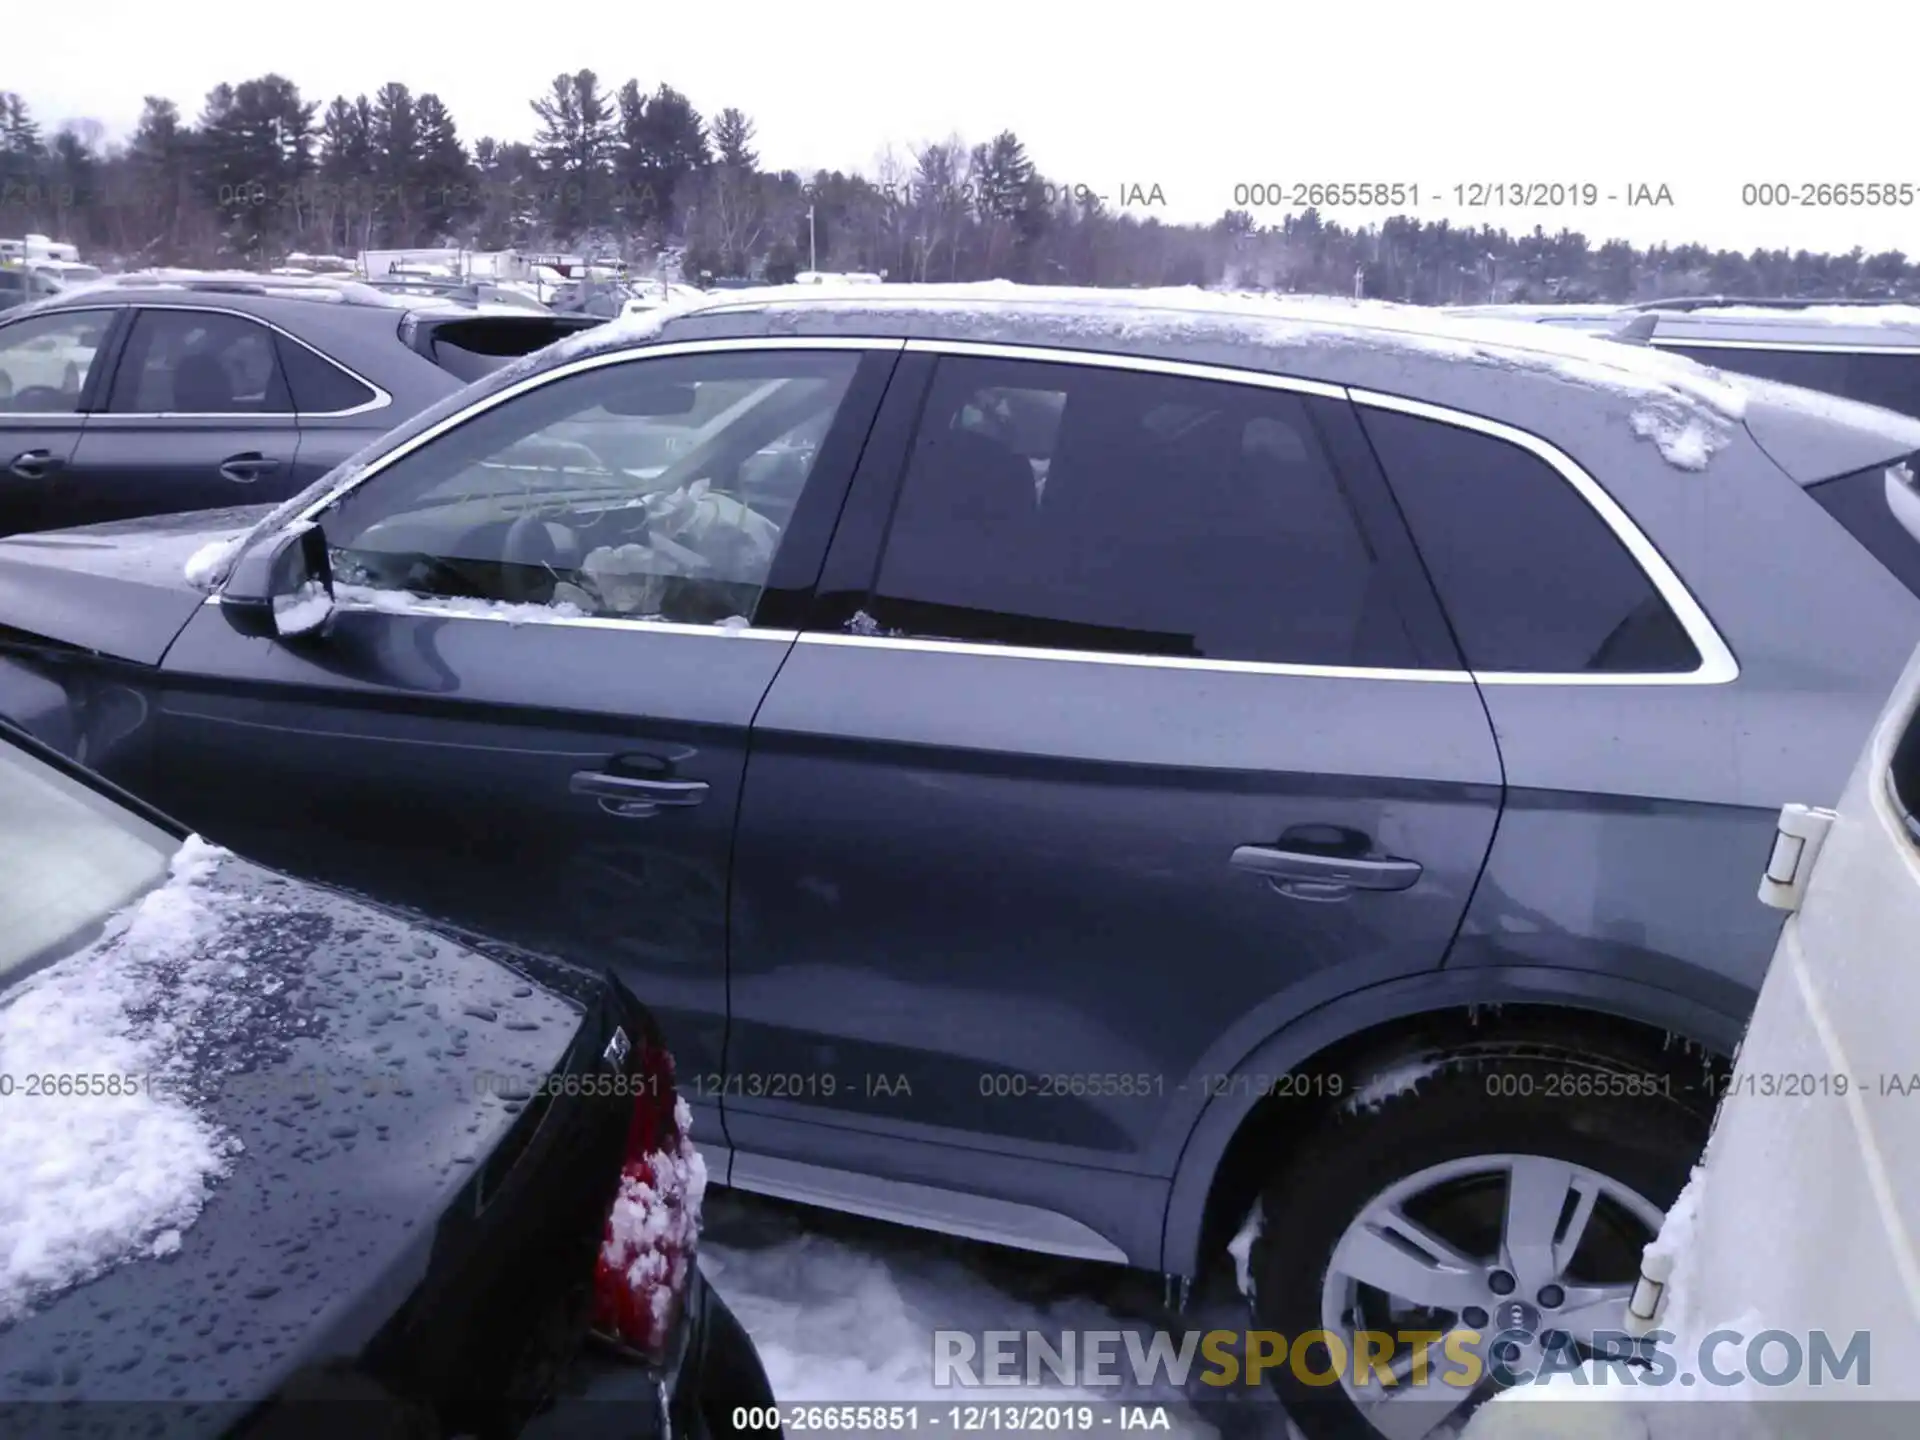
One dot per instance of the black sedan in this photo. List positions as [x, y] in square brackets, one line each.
[152, 393]
[267, 1146]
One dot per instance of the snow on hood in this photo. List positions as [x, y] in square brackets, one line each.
[97, 1179]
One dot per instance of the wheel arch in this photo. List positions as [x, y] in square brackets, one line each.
[1219, 1174]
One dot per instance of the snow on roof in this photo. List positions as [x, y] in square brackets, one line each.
[97, 1179]
[1190, 313]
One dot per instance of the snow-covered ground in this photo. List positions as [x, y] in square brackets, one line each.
[844, 1310]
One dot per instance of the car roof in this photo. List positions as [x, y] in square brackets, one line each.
[1360, 343]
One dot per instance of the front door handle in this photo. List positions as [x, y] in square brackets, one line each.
[1305, 875]
[245, 469]
[633, 798]
[34, 464]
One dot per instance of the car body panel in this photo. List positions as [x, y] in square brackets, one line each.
[120, 590]
[337, 1060]
[1617, 788]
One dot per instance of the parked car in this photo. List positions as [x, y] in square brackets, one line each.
[169, 391]
[1076, 769]
[1863, 350]
[1799, 1218]
[22, 284]
[270, 1145]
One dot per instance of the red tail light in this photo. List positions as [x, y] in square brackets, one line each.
[648, 1251]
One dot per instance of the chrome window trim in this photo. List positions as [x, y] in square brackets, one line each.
[56, 418]
[381, 398]
[1107, 360]
[1146, 662]
[1808, 347]
[1717, 664]
[424, 607]
[618, 355]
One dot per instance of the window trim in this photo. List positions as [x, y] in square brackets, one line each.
[1804, 347]
[426, 606]
[62, 418]
[381, 397]
[1718, 665]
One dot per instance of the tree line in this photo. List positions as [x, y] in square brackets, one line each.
[260, 172]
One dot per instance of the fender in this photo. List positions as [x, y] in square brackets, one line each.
[1430, 992]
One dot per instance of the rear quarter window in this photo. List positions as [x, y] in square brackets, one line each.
[1879, 506]
[319, 386]
[1532, 579]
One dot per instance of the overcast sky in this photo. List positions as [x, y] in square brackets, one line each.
[1196, 98]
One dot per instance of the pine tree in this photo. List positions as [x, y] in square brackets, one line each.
[573, 143]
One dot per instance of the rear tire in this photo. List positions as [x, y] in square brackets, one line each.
[1465, 1128]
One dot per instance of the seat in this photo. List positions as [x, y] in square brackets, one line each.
[202, 386]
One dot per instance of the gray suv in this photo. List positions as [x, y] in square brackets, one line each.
[1110, 773]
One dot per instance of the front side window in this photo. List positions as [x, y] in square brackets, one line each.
[44, 360]
[199, 362]
[1885, 378]
[650, 489]
[1531, 577]
[1074, 507]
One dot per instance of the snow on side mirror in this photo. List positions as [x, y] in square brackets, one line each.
[283, 589]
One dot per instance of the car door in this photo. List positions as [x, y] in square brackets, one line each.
[1127, 746]
[49, 372]
[529, 714]
[198, 417]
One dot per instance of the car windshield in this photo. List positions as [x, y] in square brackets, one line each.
[69, 858]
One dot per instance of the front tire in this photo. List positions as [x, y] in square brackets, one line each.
[1501, 1188]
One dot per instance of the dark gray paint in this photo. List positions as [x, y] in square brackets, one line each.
[887, 857]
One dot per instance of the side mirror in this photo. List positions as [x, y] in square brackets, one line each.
[283, 589]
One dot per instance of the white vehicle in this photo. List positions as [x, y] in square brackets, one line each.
[1803, 1214]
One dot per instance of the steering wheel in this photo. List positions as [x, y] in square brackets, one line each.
[533, 550]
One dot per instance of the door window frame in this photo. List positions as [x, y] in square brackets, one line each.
[627, 355]
[381, 397]
[1717, 666]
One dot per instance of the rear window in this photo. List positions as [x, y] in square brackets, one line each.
[471, 348]
[1880, 507]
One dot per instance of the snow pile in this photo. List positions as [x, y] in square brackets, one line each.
[95, 1179]
[1687, 439]
[208, 565]
[1241, 1247]
[304, 610]
[653, 1231]
[409, 602]
[854, 1319]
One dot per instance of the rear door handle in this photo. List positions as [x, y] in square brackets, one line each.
[34, 464]
[633, 798]
[245, 469]
[1305, 875]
